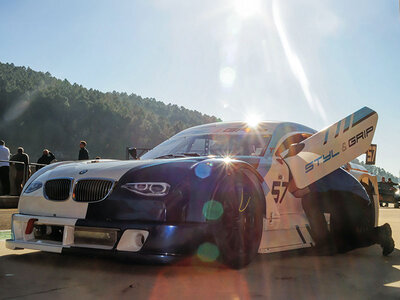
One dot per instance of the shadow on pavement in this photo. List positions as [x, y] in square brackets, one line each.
[360, 274]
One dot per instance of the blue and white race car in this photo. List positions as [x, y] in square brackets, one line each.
[223, 191]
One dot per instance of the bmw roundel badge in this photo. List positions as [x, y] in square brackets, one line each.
[83, 172]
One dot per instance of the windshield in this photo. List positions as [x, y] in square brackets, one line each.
[216, 144]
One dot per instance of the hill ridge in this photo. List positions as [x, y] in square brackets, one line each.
[40, 111]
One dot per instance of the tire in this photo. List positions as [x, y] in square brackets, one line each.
[238, 232]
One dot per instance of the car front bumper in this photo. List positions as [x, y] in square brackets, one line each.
[147, 241]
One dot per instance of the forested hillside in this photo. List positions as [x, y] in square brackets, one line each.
[39, 111]
[379, 172]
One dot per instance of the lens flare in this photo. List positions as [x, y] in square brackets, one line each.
[296, 65]
[247, 8]
[203, 170]
[227, 76]
[227, 159]
[213, 210]
[208, 252]
[253, 120]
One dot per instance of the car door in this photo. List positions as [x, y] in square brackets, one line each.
[285, 226]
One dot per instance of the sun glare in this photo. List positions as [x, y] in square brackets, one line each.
[247, 8]
[252, 120]
[227, 76]
[227, 159]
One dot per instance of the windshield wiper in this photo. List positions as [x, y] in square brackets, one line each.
[169, 156]
[190, 153]
[178, 155]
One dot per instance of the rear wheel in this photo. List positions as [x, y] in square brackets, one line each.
[239, 230]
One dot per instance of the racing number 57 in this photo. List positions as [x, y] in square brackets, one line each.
[277, 187]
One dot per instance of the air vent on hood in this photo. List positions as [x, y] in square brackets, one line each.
[91, 190]
[58, 189]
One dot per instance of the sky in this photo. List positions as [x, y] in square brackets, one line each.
[307, 61]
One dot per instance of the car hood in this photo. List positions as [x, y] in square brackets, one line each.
[36, 204]
[112, 169]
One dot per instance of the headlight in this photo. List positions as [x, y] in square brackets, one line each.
[157, 189]
[34, 186]
[398, 192]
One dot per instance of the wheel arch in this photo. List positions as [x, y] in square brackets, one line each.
[350, 188]
[232, 167]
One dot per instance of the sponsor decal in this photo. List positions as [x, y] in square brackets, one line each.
[354, 140]
[362, 135]
[320, 160]
[279, 189]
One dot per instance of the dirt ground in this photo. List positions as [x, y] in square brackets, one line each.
[360, 274]
[5, 218]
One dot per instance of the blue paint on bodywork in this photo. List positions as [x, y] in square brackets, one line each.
[347, 123]
[342, 181]
[361, 114]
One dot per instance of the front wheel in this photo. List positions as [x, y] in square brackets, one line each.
[239, 230]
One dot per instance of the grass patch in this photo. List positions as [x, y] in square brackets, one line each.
[5, 234]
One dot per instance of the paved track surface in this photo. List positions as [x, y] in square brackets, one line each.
[360, 274]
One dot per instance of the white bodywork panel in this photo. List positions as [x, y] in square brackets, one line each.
[132, 240]
[35, 204]
[332, 147]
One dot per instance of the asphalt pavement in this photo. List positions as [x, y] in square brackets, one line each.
[360, 274]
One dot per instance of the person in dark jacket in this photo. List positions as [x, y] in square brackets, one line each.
[21, 168]
[45, 159]
[83, 153]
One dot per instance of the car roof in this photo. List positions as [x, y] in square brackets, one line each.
[240, 127]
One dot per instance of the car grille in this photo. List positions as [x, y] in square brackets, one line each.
[58, 189]
[91, 190]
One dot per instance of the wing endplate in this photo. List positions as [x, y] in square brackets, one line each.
[330, 148]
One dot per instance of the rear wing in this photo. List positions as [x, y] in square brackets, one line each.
[332, 147]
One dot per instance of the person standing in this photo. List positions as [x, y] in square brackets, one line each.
[4, 168]
[83, 153]
[45, 159]
[21, 168]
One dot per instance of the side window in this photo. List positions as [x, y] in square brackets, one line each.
[198, 146]
[220, 145]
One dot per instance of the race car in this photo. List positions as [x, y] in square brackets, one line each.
[223, 191]
[389, 193]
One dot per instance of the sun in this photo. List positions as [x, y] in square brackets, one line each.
[252, 120]
[247, 8]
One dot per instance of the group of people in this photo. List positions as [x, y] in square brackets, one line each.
[387, 187]
[21, 163]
